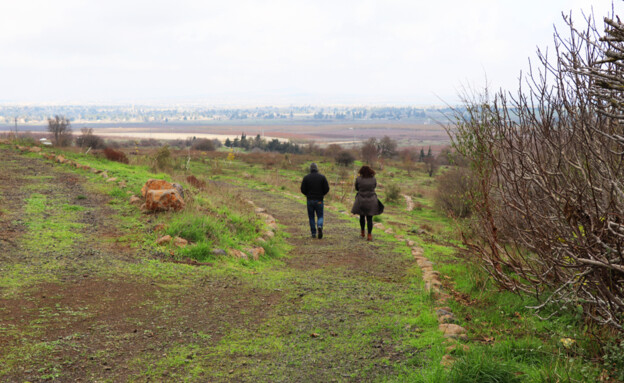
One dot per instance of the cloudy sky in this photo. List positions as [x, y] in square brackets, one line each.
[270, 52]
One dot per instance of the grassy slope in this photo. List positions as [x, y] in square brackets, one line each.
[339, 325]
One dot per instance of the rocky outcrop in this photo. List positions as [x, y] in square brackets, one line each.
[163, 200]
[153, 184]
[161, 195]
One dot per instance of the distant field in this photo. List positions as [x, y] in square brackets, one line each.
[349, 132]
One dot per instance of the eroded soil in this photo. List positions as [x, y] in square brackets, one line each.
[331, 310]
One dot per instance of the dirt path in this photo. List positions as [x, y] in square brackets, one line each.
[336, 309]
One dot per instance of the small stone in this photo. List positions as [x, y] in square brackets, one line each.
[379, 226]
[389, 231]
[164, 239]
[269, 234]
[135, 200]
[237, 254]
[410, 243]
[446, 319]
[453, 331]
[257, 252]
[180, 242]
[104, 175]
[219, 252]
[159, 227]
[447, 361]
[259, 210]
[122, 184]
[112, 179]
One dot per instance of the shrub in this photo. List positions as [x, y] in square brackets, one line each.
[162, 158]
[204, 145]
[613, 360]
[452, 192]
[115, 155]
[193, 181]
[393, 193]
[345, 158]
[89, 140]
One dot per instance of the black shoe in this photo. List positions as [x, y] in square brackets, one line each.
[320, 232]
[313, 235]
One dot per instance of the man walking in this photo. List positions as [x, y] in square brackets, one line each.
[314, 186]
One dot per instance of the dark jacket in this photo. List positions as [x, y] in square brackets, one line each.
[314, 186]
[366, 202]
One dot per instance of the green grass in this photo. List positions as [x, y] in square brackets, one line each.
[49, 227]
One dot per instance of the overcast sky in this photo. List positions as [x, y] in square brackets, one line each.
[270, 52]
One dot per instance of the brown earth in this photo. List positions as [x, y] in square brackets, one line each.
[92, 320]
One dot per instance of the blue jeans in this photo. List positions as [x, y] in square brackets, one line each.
[315, 206]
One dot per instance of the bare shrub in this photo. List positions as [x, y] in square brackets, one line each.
[370, 152]
[115, 155]
[549, 165]
[60, 127]
[345, 158]
[204, 144]
[89, 140]
[453, 191]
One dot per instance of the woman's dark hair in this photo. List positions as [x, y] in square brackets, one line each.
[366, 171]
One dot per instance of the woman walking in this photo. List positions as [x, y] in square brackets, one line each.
[366, 203]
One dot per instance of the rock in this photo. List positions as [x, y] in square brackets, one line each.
[447, 361]
[389, 231]
[237, 254]
[259, 210]
[379, 226]
[35, 149]
[453, 331]
[104, 174]
[60, 159]
[410, 243]
[219, 252]
[417, 251]
[444, 311]
[159, 227]
[266, 217]
[135, 200]
[112, 179]
[163, 200]
[95, 171]
[122, 184]
[179, 188]
[180, 242]
[269, 234]
[164, 239]
[250, 202]
[153, 184]
[446, 319]
[257, 252]
[272, 225]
